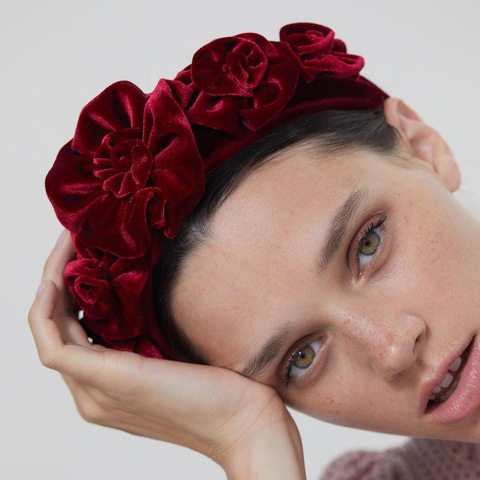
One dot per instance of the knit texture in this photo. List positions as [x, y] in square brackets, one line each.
[418, 459]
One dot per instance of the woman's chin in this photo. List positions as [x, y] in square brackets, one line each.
[467, 431]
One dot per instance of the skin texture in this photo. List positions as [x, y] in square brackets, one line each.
[381, 329]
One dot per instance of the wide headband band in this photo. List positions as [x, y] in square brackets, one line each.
[136, 166]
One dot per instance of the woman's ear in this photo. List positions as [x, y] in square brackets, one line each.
[423, 142]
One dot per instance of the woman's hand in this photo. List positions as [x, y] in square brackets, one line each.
[241, 424]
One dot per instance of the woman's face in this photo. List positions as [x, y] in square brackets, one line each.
[349, 284]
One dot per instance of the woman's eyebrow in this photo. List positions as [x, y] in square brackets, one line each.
[270, 350]
[340, 225]
[339, 228]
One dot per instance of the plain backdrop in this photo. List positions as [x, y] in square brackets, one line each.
[57, 55]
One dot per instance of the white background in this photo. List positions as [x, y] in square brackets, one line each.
[57, 55]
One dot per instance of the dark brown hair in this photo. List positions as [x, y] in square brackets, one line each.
[329, 132]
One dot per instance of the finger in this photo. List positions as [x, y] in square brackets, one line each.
[44, 310]
[61, 254]
[45, 332]
[96, 366]
[71, 330]
[79, 359]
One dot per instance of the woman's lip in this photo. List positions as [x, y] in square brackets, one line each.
[466, 398]
[440, 373]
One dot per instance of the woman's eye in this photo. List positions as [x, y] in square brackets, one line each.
[369, 242]
[301, 359]
[304, 357]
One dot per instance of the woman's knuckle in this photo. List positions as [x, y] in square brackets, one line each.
[91, 413]
[48, 358]
[31, 316]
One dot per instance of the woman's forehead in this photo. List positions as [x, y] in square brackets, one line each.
[298, 187]
[232, 289]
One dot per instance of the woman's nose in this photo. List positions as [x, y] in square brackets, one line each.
[394, 345]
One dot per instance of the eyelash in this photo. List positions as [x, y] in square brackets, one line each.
[366, 231]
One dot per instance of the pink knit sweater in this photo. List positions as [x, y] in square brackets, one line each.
[418, 459]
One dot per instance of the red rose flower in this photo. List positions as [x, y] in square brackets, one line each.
[111, 291]
[132, 169]
[123, 164]
[241, 82]
[308, 39]
[319, 52]
[229, 66]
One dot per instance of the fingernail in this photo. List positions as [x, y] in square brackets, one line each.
[61, 236]
[41, 288]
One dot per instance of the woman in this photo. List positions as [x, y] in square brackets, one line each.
[311, 270]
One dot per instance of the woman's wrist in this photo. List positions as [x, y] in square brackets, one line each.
[272, 453]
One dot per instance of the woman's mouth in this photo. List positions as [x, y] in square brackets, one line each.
[448, 385]
[457, 395]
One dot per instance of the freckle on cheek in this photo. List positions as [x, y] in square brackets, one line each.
[328, 400]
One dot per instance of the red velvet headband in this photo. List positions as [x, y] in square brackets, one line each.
[136, 167]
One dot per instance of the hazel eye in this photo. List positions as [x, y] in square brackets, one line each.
[304, 357]
[369, 243]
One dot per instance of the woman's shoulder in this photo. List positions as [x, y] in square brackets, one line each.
[418, 459]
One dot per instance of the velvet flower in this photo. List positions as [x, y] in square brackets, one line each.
[320, 52]
[116, 183]
[241, 83]
[114, 296]
[109, 290]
